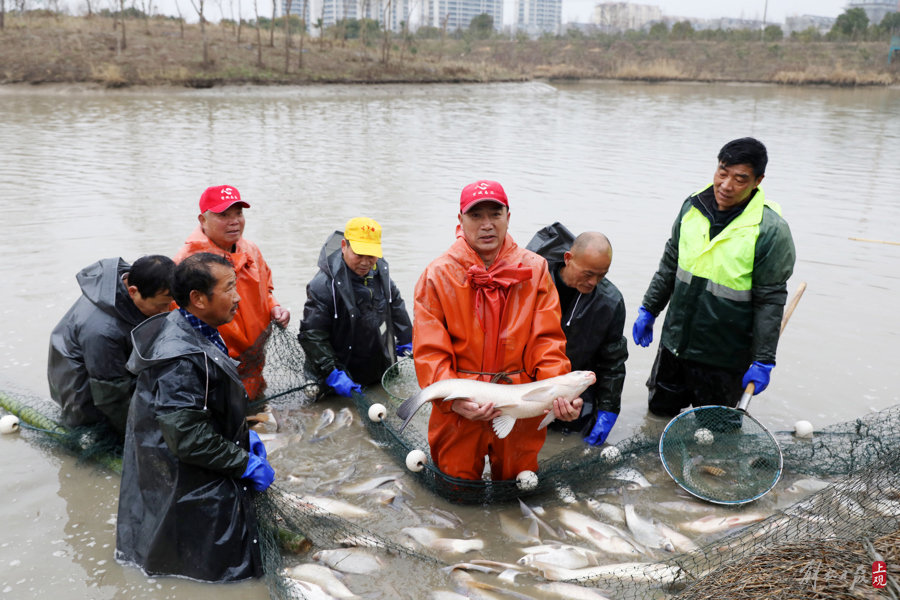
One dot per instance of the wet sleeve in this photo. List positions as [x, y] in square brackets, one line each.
[432, 345]
[610, 364]
[111, 383]
[315, 331]
[400, 318]
[773, 265]
[545, 353]
[663, 282]
[185, 425]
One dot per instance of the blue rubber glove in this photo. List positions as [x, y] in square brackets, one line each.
[643, 328]
[256, 445]
[259, 472]
[759, 374]
[404, 349]
[342, 384]
[604, 424]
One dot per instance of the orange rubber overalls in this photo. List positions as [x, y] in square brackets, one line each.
[254, 285]
[505, 319]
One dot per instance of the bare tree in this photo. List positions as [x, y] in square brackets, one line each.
[3, 13]
[89, 3]
[122, 17]
[386, 41]
[272, 25]
[302, 33]
[240, 22]
[321, 25]
[404, 31]
[198, 6]
[443, 36]
[363, 29]
[287, 37]
[259, 61]
[180, 18]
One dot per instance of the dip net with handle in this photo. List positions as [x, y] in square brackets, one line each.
[820, 547]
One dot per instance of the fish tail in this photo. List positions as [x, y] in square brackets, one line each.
[410, 407]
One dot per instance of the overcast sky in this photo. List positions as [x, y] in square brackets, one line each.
[581, 10]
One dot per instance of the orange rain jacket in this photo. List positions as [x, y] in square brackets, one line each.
[254, 285]
[451, 318]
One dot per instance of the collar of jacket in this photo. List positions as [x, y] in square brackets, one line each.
[199, 242]
[341, 286]
[582, 301]
[462, 253]
[101, 283]
[169, 336]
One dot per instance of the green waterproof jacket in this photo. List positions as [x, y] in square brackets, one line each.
[727, 298]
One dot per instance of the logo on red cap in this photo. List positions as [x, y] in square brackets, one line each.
[481, 191]
[220, 198]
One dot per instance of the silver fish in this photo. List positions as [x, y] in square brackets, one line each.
[368, 485]
[322, 577]
[332, 505]
[469, 567]
[307, 590]
[688, 507]
[444, 595]
[645, 531]
[806, 486]
[605, 537]
[344, 419]
[325, 420]
[517, 532]
[681, 542]
[632, 475]
[715, 524]
[569, 558]
[514, 401]
[431, 539]
[528, 512]
[605, 509]
[653, 573]
[350, 560]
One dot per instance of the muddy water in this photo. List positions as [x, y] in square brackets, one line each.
[88, 175]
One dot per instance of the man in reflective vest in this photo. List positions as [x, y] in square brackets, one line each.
[724, 275]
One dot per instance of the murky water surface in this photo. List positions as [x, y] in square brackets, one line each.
[85, 176]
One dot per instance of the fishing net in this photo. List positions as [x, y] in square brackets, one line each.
[275, 370]
[721, 455]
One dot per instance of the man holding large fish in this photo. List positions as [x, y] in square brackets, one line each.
[487, 311]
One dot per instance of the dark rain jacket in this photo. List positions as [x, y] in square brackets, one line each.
[593, 326]
[717, 331]
[341, 330]
[90, 346]
[183, 509]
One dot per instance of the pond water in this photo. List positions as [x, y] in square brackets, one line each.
[86, 175]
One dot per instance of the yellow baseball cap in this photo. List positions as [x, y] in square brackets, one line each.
[364, 236]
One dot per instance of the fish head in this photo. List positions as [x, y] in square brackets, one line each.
[578, 381]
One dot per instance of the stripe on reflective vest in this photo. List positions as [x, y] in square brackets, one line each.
[683, 276]
[721, 291]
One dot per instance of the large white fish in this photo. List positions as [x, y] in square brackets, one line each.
[632, 475]
[349, 560]
[715, 523]
[521, 401]
[654, 573]
[607, 538]
[344, 419]
[605, 509]
[681, 542]
[531, 514]
[514, 529]
[322, 577]
[574, 558]
[307, 590]
[431, 539]
[645, 531]
[364, 487]
[807, 486]
[332, 505]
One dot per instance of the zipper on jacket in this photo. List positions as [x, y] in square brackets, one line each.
[571, 316]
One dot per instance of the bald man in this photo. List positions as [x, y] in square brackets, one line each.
[593, 319]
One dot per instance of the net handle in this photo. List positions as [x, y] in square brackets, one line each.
[751, 387]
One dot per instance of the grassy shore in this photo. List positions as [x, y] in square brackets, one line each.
[65, 49]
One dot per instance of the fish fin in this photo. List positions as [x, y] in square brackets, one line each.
[549, 418]
[509, 575]
[526, 511]
[503, 425]
[410, 406]
[533, 530]
[596, 534]
[541, 394]
[592, 559]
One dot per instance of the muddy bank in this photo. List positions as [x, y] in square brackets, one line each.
[158, 52]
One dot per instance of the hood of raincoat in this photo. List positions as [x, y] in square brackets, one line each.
[183, 509]
[594, 327]
[101, 283]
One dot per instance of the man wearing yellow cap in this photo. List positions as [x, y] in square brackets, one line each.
[355, 323]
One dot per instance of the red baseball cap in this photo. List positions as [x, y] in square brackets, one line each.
[480, 191]
[220, 198]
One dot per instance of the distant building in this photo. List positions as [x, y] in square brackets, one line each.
[804, 22]
[332, 11]
[459, 13]
[875, 9]
[616, 17]
[538, 16]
